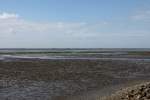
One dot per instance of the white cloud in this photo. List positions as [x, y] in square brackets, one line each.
[142, 15]
[18, 32]
[5, 15]
[12, 26]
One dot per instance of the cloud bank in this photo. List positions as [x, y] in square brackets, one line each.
[13, 26]
[16, 32]
[12, 23]
[143, 15]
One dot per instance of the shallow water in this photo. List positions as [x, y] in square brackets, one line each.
[14, 57]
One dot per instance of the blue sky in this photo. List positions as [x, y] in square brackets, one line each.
[74, 23]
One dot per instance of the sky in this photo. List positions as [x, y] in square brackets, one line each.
[74, 23]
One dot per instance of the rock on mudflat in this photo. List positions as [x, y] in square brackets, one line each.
[138, 92]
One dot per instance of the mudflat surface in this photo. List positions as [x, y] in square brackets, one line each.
[72, 76]
[52, 79]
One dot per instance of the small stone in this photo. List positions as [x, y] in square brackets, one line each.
[148, 96]
[147, 90]
[138, 97]
[143, 94]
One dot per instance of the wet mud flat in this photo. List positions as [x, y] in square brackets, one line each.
[64, 78]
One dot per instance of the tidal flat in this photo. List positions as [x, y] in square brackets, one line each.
[71, 74]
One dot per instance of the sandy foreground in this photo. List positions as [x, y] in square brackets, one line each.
[68, 79]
